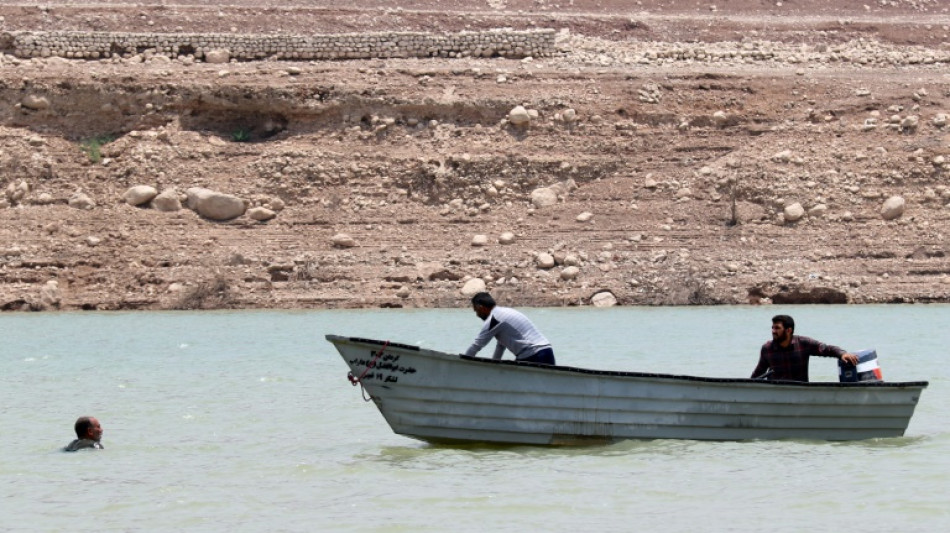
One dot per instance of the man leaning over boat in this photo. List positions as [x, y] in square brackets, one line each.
[513, 330]
[786, 356]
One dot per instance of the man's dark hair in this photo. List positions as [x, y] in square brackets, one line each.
[83, 424]
[786, 321]
[483, 299]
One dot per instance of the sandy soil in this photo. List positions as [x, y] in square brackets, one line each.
[677, 175]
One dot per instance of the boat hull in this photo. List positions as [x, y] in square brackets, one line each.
[441, 397]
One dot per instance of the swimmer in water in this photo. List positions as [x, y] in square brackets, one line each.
[88, 435]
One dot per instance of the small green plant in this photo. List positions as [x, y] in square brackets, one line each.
[241, 135]
[92, 146]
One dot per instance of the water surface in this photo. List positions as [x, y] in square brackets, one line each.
[244, 421]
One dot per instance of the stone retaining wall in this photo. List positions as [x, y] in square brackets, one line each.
[246, 47]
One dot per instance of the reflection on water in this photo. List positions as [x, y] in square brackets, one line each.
[896, 442]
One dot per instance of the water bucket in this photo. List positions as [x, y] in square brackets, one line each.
[867, 368]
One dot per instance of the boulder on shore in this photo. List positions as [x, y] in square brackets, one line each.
[82, 201]
[261, 214]
[603, 299]
[215, 205]
[519, 116]
[167, 201]
[543, 197]
[794, 212]
[473, 287]
[893, 208]
[343, 240]
[218, 56]
[139, 195]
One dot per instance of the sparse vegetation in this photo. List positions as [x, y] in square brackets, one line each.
[211, 294]
[734, 197]
[92, 146]
[241, 135]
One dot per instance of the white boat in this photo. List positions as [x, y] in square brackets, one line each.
[449, 398]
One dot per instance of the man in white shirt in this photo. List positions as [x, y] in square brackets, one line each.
[513, 331]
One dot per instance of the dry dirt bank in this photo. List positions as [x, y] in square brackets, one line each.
[678, 138]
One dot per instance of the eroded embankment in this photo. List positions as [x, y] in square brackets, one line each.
[398, 182]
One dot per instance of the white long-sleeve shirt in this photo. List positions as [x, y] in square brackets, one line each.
[513, 330]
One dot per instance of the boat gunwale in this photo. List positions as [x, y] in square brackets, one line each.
[620, 373]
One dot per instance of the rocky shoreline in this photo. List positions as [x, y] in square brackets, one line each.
[742, 167]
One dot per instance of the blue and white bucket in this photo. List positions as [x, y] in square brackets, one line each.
[867, 368]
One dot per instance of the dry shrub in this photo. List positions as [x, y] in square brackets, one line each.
[212, 294]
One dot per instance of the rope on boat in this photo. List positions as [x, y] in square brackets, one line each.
[359, 380]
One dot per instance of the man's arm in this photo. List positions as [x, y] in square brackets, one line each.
[763, 364]
[830, 350]
[484, 335]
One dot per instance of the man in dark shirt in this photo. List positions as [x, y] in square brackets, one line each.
[786, 355]
[88, 435]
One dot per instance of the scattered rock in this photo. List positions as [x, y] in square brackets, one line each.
[603, 299]
[260, 214]
[544, 260]
[15, 192]
[571, 260]
[139, 195]
[782, 157]
[893, 208]
[473, 287]
[81, 201]
[50, 295]
[44, 198]
[650, 93]
[167, 201]
[543, 197]
[36, 103]
[275, 204]
[570, 273]
[519, 116]
[343, 240]
[480, 240]
[910, 124]
[794, 213]
[215, 205]
[562, 188]
[435, 271]
[217, 56]
[506, 238]
[720, 119]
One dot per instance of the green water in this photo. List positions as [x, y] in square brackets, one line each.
[244, 421]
